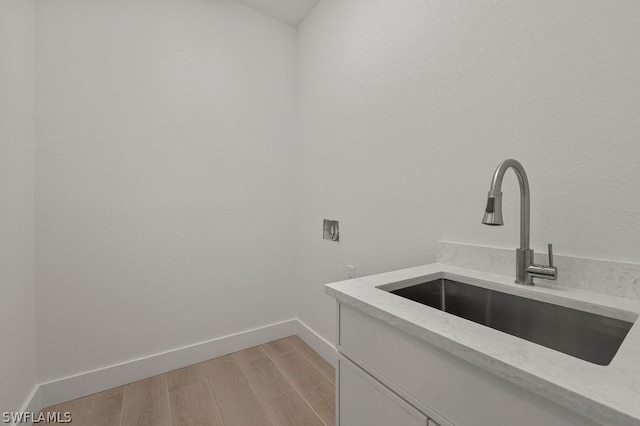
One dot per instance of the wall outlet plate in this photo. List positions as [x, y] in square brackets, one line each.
[351, 272]
[330, 230]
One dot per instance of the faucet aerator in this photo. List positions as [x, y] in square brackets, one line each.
[492, 219]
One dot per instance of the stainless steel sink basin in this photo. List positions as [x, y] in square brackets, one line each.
[585, 335]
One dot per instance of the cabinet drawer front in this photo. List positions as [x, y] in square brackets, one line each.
[365, 401]
[456, 390]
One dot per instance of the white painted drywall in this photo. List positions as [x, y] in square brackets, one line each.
[407, 107]
[17, 211]
[165, 195]
[290, 11]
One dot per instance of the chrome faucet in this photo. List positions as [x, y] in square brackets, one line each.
[526, 270]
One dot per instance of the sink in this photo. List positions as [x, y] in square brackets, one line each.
[584, 335]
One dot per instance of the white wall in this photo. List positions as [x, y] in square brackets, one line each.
[406, 108]
[17, 213]
[165, 195]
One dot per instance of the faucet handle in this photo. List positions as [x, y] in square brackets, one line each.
[549, 272]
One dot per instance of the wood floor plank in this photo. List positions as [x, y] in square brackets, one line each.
[265, 378]
[250, 355]
[290, 409]
[146, 403]
[316, 389]
[186, 376]
[193, 406]
[278, 347]
[236, 401]
[100, 409]
[106, 408]
[315, 359]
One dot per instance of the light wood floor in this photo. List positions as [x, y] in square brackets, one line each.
[279, 383]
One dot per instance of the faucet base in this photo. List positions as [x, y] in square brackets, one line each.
[524, 258]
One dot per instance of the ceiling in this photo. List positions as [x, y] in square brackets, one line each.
[289, 11]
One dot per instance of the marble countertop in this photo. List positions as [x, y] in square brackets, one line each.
[609, 394]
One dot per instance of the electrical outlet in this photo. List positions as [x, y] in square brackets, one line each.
[351, 272]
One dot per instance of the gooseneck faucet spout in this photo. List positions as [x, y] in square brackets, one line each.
[525, 268]
[493, 213]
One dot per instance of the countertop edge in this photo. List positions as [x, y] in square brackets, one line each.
[563, 396]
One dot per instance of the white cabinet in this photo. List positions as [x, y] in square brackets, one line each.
[429, 381]
[369, 402]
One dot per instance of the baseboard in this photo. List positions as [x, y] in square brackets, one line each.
[31, 404]
[76, 386]
[72, 387]
[317, 343]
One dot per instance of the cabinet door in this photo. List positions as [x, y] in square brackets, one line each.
[365, 401]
